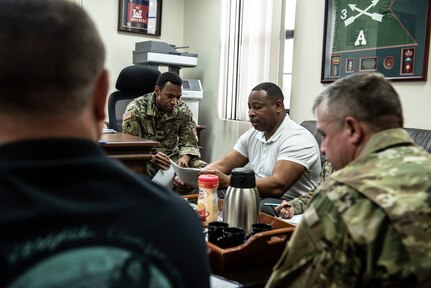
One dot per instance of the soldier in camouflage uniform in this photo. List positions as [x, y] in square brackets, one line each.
[369, 224]
[162, 116]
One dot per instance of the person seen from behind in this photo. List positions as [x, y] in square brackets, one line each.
[70, 216]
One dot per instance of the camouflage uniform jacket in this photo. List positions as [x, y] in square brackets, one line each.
[175, 130]
[369, 224]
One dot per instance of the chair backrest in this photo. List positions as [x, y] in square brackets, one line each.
[421, 137]
[310, 125]
[133, 81]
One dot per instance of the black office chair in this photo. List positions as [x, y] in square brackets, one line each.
[133, 81]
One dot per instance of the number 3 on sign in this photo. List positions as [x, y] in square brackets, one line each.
[343, 14]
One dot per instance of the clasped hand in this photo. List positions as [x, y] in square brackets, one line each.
[285, 210]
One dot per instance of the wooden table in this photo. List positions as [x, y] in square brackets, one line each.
[133, 151]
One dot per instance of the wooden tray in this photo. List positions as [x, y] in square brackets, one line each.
[261, 249]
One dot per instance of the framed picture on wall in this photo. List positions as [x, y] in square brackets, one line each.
[387, 36]
[140, 16]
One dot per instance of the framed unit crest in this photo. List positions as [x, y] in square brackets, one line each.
[387, 36]
[139, 16]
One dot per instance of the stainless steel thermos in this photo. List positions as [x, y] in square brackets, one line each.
[241, 203]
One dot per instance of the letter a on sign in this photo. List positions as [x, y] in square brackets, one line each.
[360, 40]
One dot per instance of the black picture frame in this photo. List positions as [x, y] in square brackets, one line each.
[386, 36]
[141, 17]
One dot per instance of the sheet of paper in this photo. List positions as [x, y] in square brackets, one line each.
[294, 220]
[108, 131]
[187, 175]
[220, 282]
[164, 177]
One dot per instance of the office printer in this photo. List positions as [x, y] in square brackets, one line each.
[155, 53]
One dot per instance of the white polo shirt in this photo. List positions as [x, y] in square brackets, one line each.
[290, 142]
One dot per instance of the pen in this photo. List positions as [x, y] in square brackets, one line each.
[271, 204]
[276, 204]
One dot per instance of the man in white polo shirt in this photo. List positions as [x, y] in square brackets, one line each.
[284, 155]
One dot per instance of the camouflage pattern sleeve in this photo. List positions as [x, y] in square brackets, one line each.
[187, 137]
[326, 252]
[327, 170]
[301, 202]
[131, 120]
[319, 254]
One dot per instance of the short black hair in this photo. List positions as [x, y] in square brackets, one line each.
[169, 76]
[272, 90]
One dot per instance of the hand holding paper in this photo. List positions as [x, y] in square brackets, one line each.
[188, 175]
[162, 160]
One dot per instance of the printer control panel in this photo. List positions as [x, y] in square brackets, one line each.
[192, 88]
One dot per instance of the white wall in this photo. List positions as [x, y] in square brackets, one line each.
[202, 34]
[119, 45]
[415, 96]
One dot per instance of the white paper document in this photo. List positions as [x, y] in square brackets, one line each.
[108, 131]
[220, 282]
[187, 175]
[164, 177]
[294, 220]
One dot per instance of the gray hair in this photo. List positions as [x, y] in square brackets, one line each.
[368, 97]
[50, 56]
